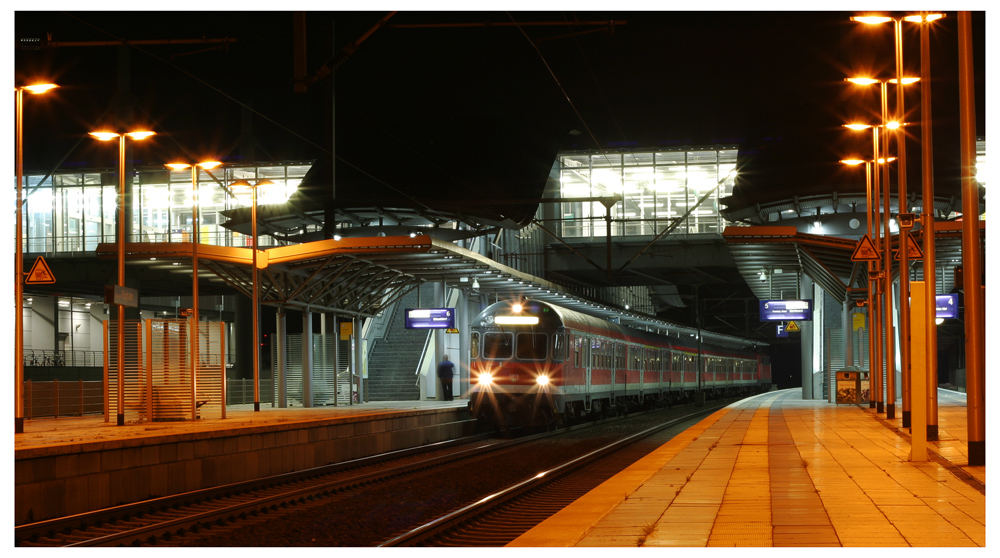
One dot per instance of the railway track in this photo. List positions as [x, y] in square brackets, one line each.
[502, 516]
[162, 519]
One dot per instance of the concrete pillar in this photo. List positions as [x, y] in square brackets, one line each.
[806, 339]
[359, 368]
[307, 358]
[281, 362]
[462, 358]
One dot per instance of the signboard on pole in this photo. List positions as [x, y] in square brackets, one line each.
[946, 306]
[430, 318]
[40, 273]
[913, 251]
[865, 251]
[784, 310]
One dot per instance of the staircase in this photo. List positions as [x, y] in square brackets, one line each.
[394, 359]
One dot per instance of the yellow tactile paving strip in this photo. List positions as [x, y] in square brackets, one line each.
[775, 471]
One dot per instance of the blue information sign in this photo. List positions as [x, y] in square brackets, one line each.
[946, 306]
[430, 318]
[785, 310]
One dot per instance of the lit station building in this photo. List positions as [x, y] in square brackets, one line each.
[633, 233]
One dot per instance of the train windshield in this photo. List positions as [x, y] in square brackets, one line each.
[498, 345]
[532, 346]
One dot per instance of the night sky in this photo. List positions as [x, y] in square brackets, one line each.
[479, 113]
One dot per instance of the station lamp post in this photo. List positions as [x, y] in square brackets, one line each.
[195, 240]
[244, 184]
[902, 198]
[34, 89]
[135, 135]
[874, 332]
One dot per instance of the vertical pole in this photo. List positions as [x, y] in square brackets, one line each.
[359, 368]
[336, 361]
[975, 355]
[870, 169]
[107, 365]
[902, 200]
[918, 430]
[19, 270]
[120, 348]
[149, 370]
[222, 367]
[930, 273]
[194, 291]
[879, 173]
[281, 362]
[890, 344]
[256, 301]
[307, 358]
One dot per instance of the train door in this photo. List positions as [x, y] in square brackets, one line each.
[583, 350]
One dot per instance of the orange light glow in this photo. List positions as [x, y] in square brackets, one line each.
[39, 88]
[209, 165]
[893, 124]
[857, 126]
[883, 161]
[919, 19]
[104, 135]
[140, 135]
[862, 80]
[177, 166]
[906, 80]
[871, 19]
[852, 162]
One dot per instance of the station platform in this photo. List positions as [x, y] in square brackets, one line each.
[73, 464]
[776, 470]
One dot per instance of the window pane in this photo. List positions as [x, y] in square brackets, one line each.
[498, 345]
[532, 346]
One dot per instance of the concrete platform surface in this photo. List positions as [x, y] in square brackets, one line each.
[91, 429]
[775, 470]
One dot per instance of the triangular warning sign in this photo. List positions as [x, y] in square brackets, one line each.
[792, 326]
[865, 251]
[913, 251]
[40, 273]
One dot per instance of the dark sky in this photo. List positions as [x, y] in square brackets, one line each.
[452, 112]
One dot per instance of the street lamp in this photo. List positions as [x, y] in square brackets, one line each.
[256, 286]
[195, 226]
[901, 197]
[34, 89]
[136, 135]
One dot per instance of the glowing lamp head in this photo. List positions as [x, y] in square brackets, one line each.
[39, 88]
[857, 126]
[906, 80]
[209, 165]
[485, 379]
[872, 19]
[104, 135]
[542, 380]
[516, 308]
[177, 166]
[852, 162]
[892, 125]
[140, 135]
[862, 80]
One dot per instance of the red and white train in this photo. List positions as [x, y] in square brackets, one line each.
[535, 362]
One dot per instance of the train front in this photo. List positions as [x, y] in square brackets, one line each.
[517, 350]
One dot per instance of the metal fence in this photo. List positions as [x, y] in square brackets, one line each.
[56, 398]
[51, 357]
[239, 391]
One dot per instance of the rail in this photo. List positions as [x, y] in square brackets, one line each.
[51, 357]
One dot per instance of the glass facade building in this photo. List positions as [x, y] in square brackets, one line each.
[656, 187]
[74, 211]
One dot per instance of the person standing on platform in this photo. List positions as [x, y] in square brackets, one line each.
[445, 372]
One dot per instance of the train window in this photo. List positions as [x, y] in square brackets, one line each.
[498, 345]
[532, 346]
[578, 343]
[474, 345]
[559, 346]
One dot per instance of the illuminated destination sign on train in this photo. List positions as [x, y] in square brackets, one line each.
[784, 310]
[946, 306]
[430, 318]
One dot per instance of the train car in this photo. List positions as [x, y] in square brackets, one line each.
[534, 362]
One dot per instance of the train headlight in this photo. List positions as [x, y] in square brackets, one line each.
[485, 379]
[542, 380]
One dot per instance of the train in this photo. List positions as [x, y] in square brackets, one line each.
[534, 362]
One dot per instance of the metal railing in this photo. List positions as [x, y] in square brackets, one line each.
[51, 357]
[239, 391]
[63, 398]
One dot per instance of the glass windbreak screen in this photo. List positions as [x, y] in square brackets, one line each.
[532, 346]
[498, 345]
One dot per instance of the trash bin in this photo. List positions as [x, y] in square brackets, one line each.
[852, 386]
